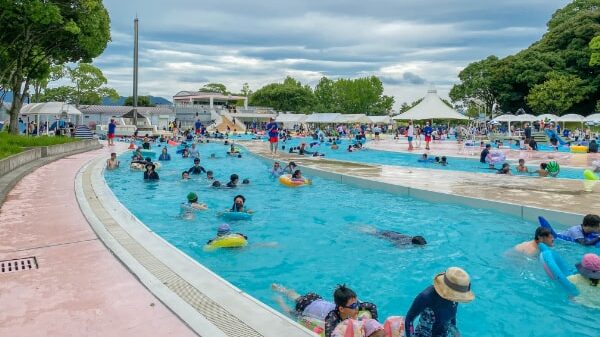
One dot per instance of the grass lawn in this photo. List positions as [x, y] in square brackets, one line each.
[12, 144]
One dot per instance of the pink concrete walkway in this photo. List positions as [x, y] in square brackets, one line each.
[80, 289]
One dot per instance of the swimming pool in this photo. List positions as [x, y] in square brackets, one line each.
[319, 244]
[411, 159]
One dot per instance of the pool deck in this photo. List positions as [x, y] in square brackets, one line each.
[80, 288]
[453, 149]
[567, 198]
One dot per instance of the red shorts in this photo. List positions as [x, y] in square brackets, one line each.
[197, 131]
[273, 139]
[427, 138]
[111, 135]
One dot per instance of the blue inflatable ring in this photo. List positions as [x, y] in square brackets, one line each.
[557, 269]
[229, 215]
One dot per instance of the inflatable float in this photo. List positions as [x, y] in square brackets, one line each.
[579, 149]
[227, 241]
[590, 175]
[557, 269]
[230, 215]
[287, 180]
[544, 223]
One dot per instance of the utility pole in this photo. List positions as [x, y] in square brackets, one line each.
[135, 70]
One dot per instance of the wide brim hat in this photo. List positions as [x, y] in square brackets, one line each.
[589, 266]
[151, 164]
[454, 285]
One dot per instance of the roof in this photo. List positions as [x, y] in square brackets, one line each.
[431, 107]
[326, 118]
[207, 95]
[381, 119]
[120, 109]
[251, 115]
[49, 108]
[291, 118]
[353, 118]
[571, 118]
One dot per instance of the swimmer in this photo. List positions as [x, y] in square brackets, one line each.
[297, 176]
[213, 156]
[197, 169]
[505, 169]
[233, 180]
[239, 205]
[246, 181]
[424, 158]
[398, 239]
[185, 176]
[346, 305]
[521, 167]
[276, 170]
[216, 184]
[444, 161]
[590, 225]
[289, 168]
[112, 163]
[586, 281]
[194, 151]
[542, 172]
[164, 156]
[193, 202]
[224, 230]
[210, 176]
[137, 155]
[531, 248]
[334, 146]
[350, 149]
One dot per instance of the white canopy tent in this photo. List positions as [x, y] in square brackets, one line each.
[514, 118]
[323, 118]
[593, 118]
[431, 107]
[381, 119]
[551, 117]
[56, 109]
[353, 118]
[289, 120]
[571, 118]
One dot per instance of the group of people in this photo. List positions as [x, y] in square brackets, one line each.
[546, 169]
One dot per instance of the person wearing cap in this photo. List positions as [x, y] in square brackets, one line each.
[150, 173]
[224, 230]
[587, 279]
[192, 202]
[273, 131]
[531, 248]
[196, 169]
[437, 304]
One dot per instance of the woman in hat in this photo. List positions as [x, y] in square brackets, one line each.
[437, 304]
[150, 173]
[586, 280]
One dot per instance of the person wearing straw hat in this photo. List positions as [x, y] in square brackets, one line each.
[150, 173]
[437, 305]
[586, 280]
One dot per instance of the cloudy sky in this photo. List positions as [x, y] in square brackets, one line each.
[409, 44]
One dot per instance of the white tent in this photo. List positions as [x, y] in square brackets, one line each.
[550, 117]
[56, 109]
[571, 118]
[353, 118]
[514, 118]
[593, 118]
[431, 107]
[380, 119]
[289, 120]
[322, 118]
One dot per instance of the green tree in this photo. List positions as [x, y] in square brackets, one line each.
[55, 73]
[595, 51]
[37, 34]
[477, 84]
[215, 87]
[142, 101]
[290, 95]
[325, 96]
[361, 95]
[87, 86]
[556, 95]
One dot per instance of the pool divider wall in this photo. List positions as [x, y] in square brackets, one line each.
[185, 286]
[525, 212]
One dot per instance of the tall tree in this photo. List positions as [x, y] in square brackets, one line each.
[325, 95]
[36, 34]
[556, 95]
[290, 95]
[88, 86]
[215, 87]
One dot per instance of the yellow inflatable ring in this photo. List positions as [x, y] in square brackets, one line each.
[590, 175]
[227, 241]
[286, 180]
[579, 149]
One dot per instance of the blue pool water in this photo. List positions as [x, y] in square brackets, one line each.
[411, 159]
[319, 244]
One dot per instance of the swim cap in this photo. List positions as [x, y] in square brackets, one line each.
[191, 197]
[224, 229]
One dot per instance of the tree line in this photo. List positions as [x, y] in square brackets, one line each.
[558, 74]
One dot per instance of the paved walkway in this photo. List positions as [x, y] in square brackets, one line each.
[452, 148]
[566, 195]
[80, 289]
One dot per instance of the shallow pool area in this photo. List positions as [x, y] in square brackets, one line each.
[312, 238]
[412, 159]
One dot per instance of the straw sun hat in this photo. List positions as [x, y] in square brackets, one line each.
[454, 285]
